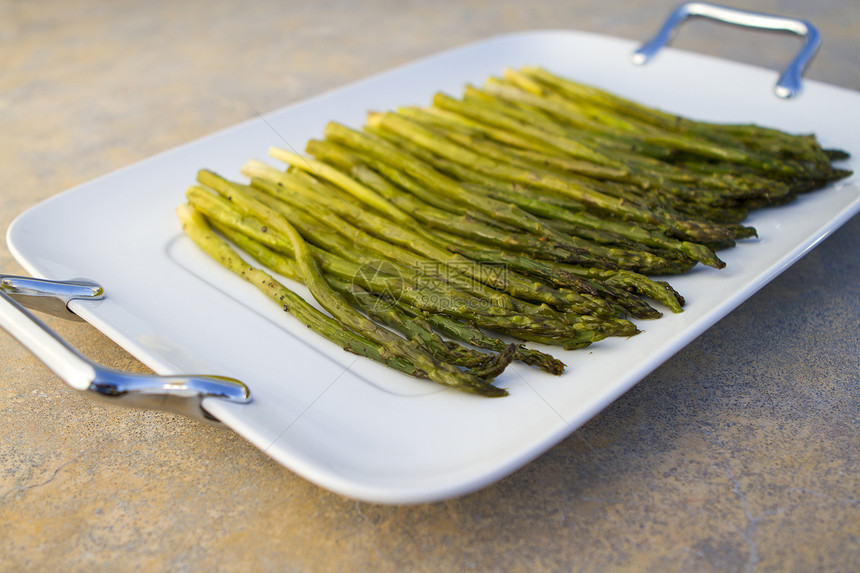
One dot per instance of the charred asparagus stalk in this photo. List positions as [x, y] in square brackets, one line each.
[573, 192]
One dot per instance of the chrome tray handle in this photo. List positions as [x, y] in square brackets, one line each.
[789, 83]
[182, 394]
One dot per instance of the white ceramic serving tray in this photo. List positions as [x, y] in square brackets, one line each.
[342, 421]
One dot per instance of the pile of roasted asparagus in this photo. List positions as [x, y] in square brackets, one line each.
[440, 239]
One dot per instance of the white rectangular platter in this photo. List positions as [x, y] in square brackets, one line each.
[342, 421]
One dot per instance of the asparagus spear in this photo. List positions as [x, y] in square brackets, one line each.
[574, 113]
[657, 182]
[469, 334]
[534, 149]
[577, 246]
[483, 365]
[509, 281]
[567, 145]
[432, 296]
[198, 230]
[440, 372]
[558, 183]
[696, 231]
[506, 212]
[439, 298]
[789, 152]
[635, 307]
[451, 218]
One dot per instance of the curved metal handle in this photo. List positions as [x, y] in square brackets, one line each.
[789, 83]
[182, 394]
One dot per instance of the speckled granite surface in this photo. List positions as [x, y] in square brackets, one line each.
[742, 453]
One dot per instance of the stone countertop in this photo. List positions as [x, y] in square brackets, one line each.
[741, 453]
